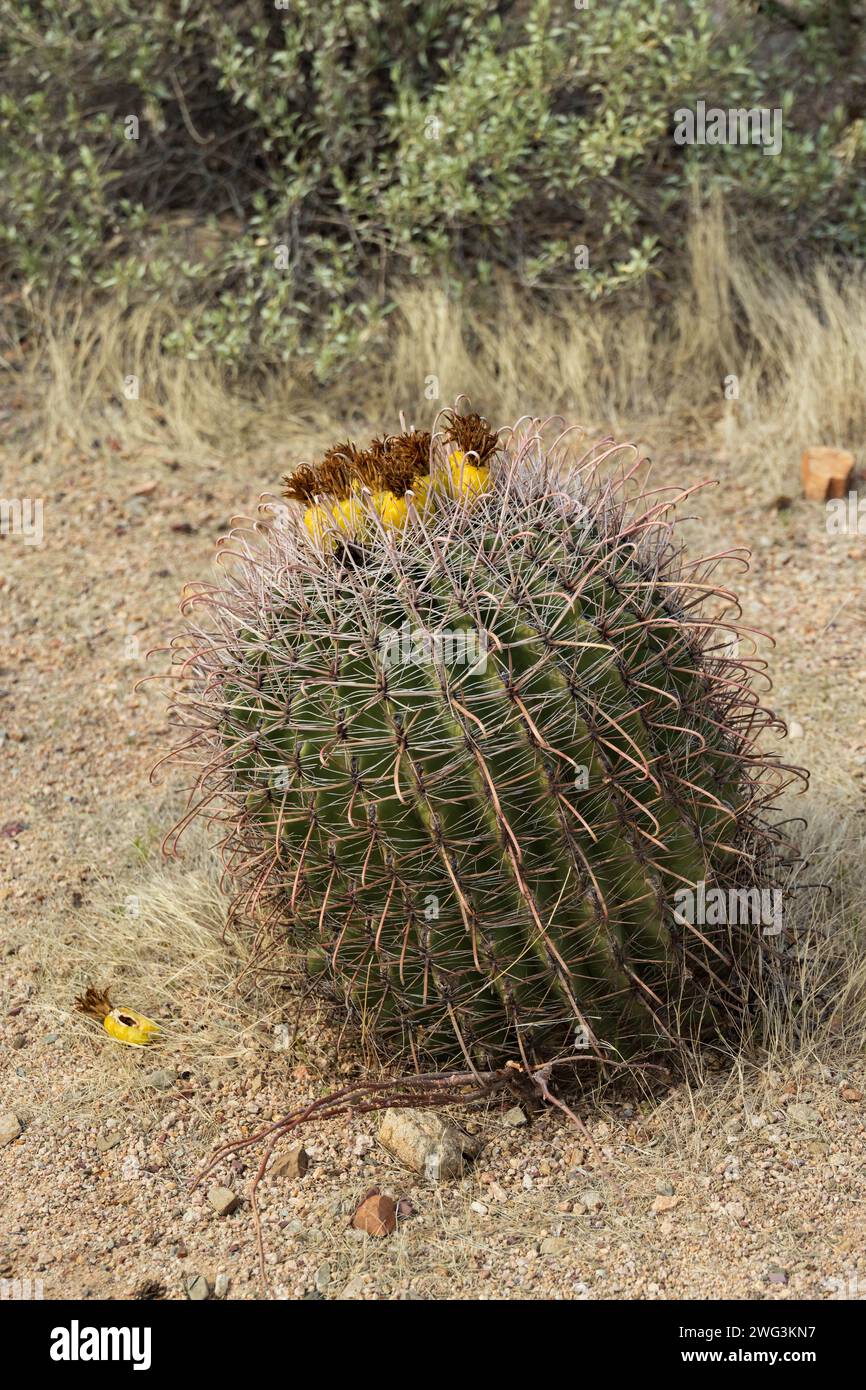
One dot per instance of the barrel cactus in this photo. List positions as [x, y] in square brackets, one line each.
[473, 727]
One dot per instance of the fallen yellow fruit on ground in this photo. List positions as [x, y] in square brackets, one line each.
[124, 1025]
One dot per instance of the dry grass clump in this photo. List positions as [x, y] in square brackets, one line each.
[156, 938]
[828, 941]
[823, 1022]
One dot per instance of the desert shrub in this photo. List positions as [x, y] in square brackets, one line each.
[292, 166]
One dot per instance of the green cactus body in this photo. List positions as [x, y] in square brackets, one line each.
[479, 844]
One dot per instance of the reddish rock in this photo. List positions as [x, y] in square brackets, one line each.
[826, 473]
[376, 1215]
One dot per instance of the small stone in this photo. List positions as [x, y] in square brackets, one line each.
[664, 1202]
[221, 1285]
[51, 1038]
[591, 1199]
[323, 1277]
[223, 1200]
[850, 1093]
[479, 1208]
[354, 1288]
[514, 1117]
[19, 1040]
[795, 729]
[161, 1080]
[803, 1115]
[10, 1128]
[426, 1143]
[13, 828]
[197, 1288]
[109, 1141]
[376, 1216]
[292, 1164]
[665, 1189]
[575, 1159]
[554, 1245]
[777, 1276]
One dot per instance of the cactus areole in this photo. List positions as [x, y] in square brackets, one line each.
[476, 731]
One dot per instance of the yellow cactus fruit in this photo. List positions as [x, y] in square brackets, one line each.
[349, 516]
[124, 1025]
[392, 509]
[133, 1029]
[467, 481]
[318, 520]
[421, 489]
[474, 481]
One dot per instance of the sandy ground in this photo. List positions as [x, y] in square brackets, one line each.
[733, 1190]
